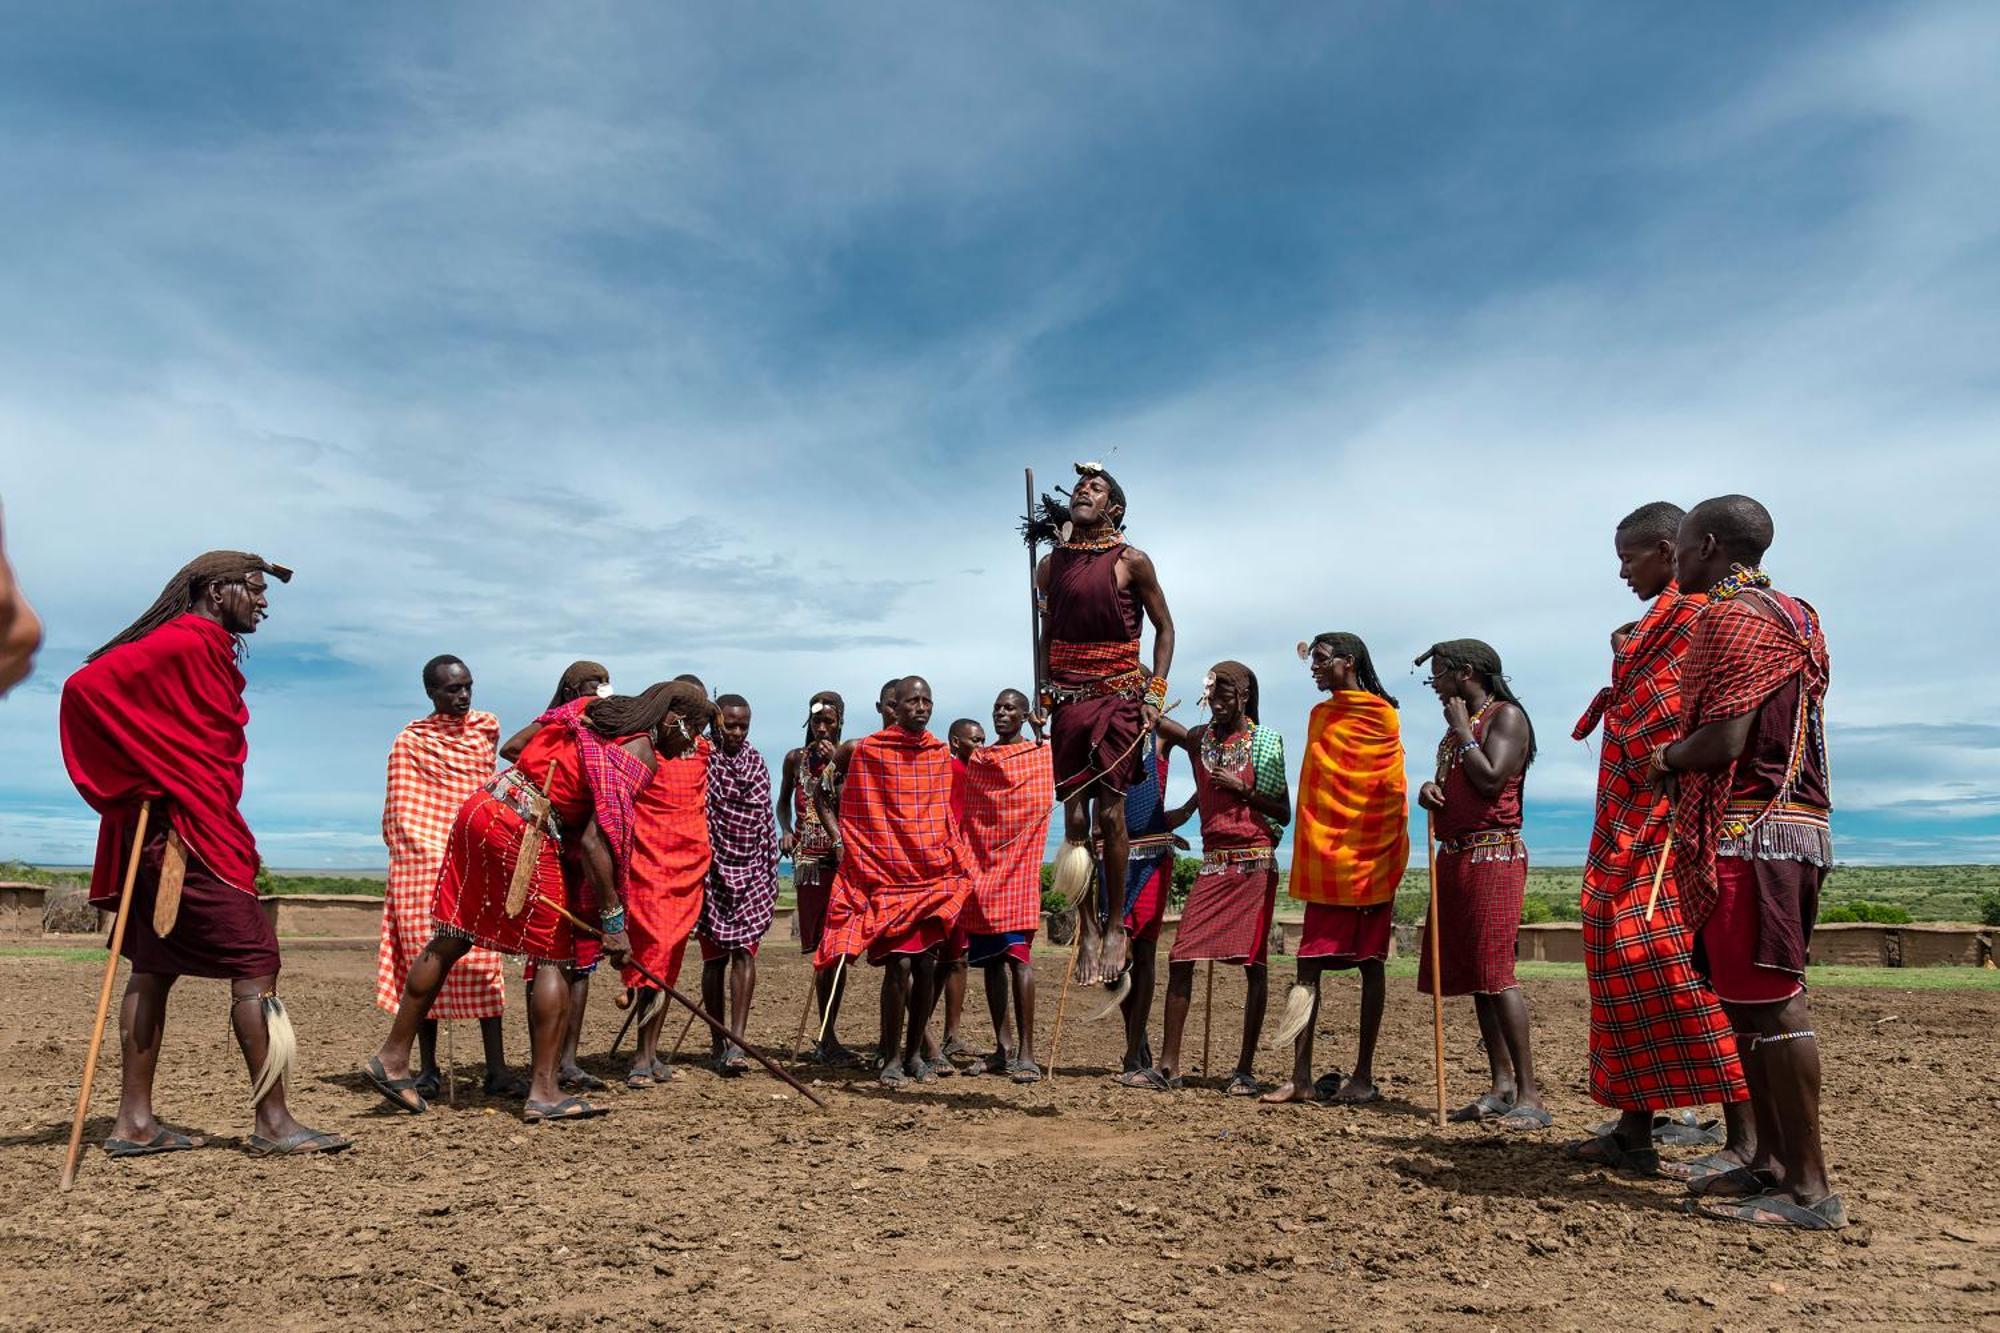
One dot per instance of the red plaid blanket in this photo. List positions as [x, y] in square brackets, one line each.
[613, 775]
[1009, 792]
[905, 860]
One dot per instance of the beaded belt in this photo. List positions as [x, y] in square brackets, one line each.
[1486, 838]
[513, 790]
[1223, 860]
[1129, 684]
[1758, 830]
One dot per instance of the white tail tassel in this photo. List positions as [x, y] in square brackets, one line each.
[1119, 991]
[281, 1043]
[1071, 880]
[656, 1000]
[1299, 1003]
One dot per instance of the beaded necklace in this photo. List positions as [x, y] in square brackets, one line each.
[1736, 580]
[1104, 543]
[1229, 757]
[1449, 747]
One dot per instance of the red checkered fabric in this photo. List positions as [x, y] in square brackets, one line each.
[1009, 793]
[905, 861]
[1744, 648]
[1479, 916]
[669, 865]
[434, 764]
[1227, 918]
[1657, 1036]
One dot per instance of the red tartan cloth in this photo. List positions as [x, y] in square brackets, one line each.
[1227, 918]
[670, 863]
[1744, 649]
[1479, 915]
[1657, 1036]
[905, 863]
[1009, 793]
[471, 898]
[434, 764]
[163, 717]
[611, 773]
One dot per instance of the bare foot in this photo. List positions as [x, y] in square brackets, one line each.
[1088, 970]
[1288, 1092]
[1111, 959]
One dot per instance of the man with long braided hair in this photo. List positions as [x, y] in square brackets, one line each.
[1349, 848]
[157, 716]
[803, 792]
[1093, 587]
[1482, 868]
[555, 831]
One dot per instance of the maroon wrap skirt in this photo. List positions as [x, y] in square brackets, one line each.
[221, 932]
[1479, 916]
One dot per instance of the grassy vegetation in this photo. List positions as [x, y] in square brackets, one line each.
[20, 872]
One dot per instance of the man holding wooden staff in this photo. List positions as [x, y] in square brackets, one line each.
[1096, 587]
[1658, 1038]
[153, 736]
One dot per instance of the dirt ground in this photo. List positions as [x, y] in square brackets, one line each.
[972, 1202]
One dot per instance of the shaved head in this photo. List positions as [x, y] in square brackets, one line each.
[1741, 527]
[1655, 522]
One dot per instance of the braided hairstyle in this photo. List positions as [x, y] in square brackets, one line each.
[1342, 644]
[641, 714]
[188, 587]
[829, 698]
[1245, 681]
[570, 686]
[1455, 654]
[1045, 526]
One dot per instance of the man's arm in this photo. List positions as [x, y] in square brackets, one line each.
[518, 742]
[1502, 752]
[1711, 746]
[1145, 584]
[829, 811]
[1041, 628]
[788, 782]
[602, 872]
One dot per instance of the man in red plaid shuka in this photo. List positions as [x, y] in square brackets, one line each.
[1753, 840]
[904, 871]
[1657, 1036]
[1009, 791]
[434, 764]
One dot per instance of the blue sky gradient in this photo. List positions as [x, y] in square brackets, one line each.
[716, 341]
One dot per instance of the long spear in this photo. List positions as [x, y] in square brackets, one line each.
[706, 1017]
[1034, 599]
[1437, 975]
[104, 999]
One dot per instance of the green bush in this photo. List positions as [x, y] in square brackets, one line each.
[1881, 914]
[1989, 909]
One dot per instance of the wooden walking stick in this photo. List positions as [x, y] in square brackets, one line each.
[1207, 1013]
[680, 1040]
[1437, 973]
[776, 1070]
[805, 1012]
[1659, 873]
[104, 999]
[1062, 999]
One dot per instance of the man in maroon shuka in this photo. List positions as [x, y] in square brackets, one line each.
[1094, 586]
[156, 718]
[1752, 843]
[806, 774]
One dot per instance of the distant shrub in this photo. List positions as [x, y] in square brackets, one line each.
[1881, 914]
[1989, 908]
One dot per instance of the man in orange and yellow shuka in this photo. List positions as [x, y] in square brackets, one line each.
[1350, 843]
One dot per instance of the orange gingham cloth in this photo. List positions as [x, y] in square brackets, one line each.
[434, 765]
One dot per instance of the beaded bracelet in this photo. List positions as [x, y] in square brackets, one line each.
[613, 922]
[1467, 748]
[1156, 692]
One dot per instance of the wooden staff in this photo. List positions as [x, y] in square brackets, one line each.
[1207, 1013]
[826, 1015]
[1437, 971]
[681, 1040]
[625, 1003]
[1034, 600]
[1062, 999]
[104, 999]
[805, 1012]
[1659, 873]
[772, 1066]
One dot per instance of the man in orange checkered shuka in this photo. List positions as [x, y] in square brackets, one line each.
[435, 763]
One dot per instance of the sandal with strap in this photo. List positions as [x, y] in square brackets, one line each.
[1147, 1079]
[167, 1140]
[1527, 1119]
[569, 1108]
[1699, 1168]
[1241, 1085]
[1487, 1106]
[392, 1089]
[299, 1143]
[1738, 1182]
[1606, 1150]
[1774, 1210]
[1026, 1071]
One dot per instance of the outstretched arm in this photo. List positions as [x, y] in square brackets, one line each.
[1145, 584]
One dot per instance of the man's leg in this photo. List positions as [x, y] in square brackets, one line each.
[954, 1004]
[499, 1081]
[1360, 1085]
[253, 1037]
[567, 1069]
[1022, 975]
[924, 984]
[895, 1004]
[1138, 1005]
[646, 1064]
[1498, 1061]
[830, 984]
[1003, 1025]
[1115, 952]
[714, 974]
[1256, 995]
[1786, 1094]
[427, 1055]
[1511, 1007]
[1299, 1088]
[742, 990]
[142, 1022]
[548, 1022]
[1739, 1126]
[1180, 995]
[420, 989]
[1089, 925]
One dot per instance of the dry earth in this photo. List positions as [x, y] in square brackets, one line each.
[974, 1202]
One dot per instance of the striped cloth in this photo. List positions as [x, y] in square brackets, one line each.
[669, 864]
[1009, 793]
[1351, 840]
[1479, 918]
[743, 881]
[905, 863]
[434, 764]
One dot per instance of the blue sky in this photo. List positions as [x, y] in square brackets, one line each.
[716, 339]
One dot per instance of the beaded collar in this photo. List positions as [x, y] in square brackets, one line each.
[1736, 580]
[1099, 544]
[1227, 757]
